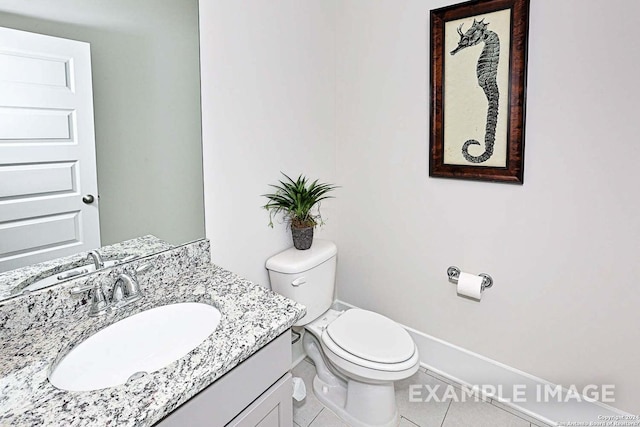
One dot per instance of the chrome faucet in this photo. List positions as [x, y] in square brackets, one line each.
[97, 259]
[126, 290]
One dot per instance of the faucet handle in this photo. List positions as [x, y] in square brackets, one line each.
[144, 268]
[82, 289]
[99, 303]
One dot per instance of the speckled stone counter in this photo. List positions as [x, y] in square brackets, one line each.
[12, 282]
[37, 329]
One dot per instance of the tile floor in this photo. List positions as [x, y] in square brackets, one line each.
[446, 412]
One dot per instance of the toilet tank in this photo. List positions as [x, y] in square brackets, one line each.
[307, 277]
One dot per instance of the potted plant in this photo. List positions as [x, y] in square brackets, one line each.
[296, 200]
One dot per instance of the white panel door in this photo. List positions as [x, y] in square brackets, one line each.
[48, 184]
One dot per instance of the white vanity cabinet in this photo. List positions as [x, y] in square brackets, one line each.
[257, 392]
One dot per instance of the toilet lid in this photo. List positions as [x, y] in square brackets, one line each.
[371, 336]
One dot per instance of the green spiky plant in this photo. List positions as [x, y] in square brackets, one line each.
[296, 199]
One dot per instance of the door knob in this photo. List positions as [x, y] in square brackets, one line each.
[88, 199]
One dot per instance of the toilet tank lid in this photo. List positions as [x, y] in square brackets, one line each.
[292, 260]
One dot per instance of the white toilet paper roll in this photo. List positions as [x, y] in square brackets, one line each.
[299, 390]
[470, 285]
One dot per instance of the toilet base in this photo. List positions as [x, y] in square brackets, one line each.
[378, 409]
[358, 403]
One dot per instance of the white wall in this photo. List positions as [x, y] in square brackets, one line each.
[563, 249]
[146, 90]
[339, 90]
[267, 106]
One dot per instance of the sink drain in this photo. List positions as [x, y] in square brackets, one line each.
[137, 376]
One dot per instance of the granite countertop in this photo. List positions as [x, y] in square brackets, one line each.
[12, 282]
[252, 316]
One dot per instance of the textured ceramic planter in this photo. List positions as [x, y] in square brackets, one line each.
[302, 237]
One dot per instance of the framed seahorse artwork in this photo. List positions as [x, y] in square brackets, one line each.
[478, 90]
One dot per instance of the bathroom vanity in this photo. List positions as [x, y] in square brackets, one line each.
[238, 376]
[261, 384]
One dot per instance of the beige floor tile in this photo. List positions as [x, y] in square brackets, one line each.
[432, 403]
[329, 419]
[304, 412]
[422, 399]
[406, 423]
[480, 414]
[463, 390]
[541, 424]
[443, 378]
[534, 421]
[326, 418]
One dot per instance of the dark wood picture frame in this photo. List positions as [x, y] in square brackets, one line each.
[513, 102]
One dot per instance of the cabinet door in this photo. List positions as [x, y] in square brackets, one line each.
[274, 408]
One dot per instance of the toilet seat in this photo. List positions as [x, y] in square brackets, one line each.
[370, 346]
[369, 336]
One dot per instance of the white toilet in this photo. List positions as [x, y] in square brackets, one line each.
[358, 354]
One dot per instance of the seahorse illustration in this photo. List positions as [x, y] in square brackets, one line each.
[486, 71]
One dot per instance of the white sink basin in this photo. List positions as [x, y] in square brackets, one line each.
[132, 347]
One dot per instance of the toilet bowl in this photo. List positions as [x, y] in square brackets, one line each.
[358, 354]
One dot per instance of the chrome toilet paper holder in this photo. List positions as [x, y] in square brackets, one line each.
[454, 273]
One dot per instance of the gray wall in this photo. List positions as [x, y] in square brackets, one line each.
[146, 88]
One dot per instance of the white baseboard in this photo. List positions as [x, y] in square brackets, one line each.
[457, 365]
